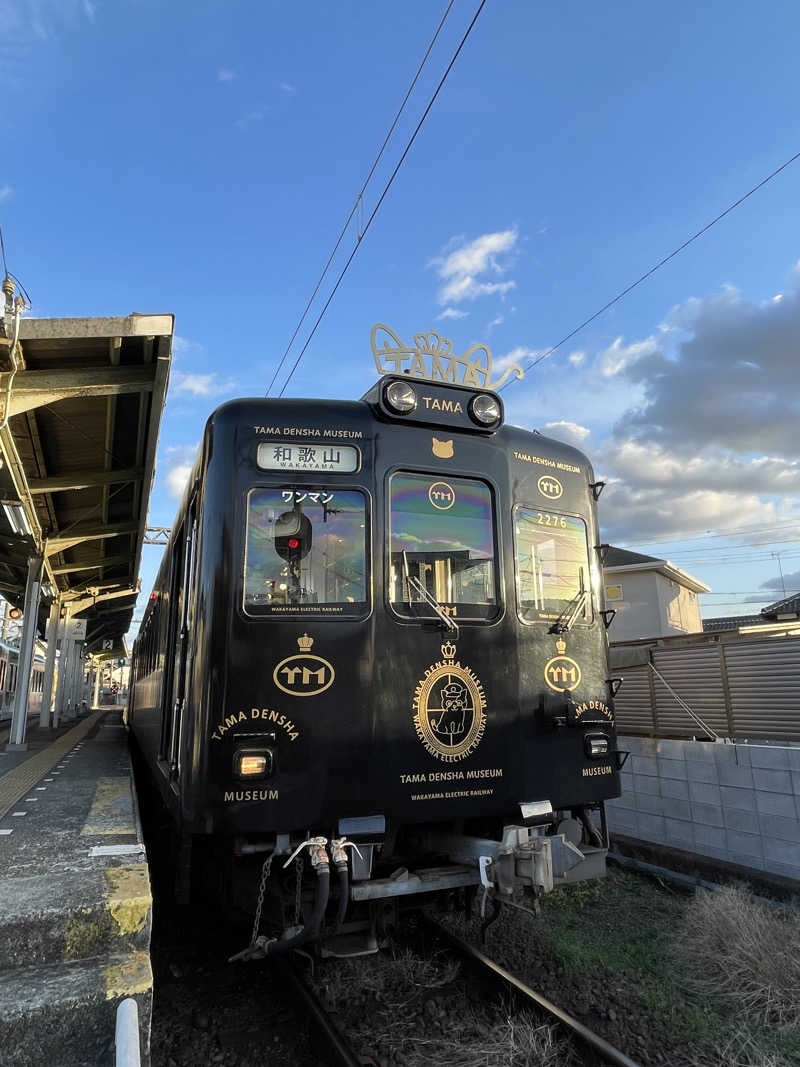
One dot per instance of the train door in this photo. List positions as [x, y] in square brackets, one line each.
[180, 628]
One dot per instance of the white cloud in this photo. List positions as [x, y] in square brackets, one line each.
[452, 313]
[569, 432]
[89, 9]
[182, 347]
[463, 270]
[226, 74]
[577, 359]
[288, 88]
[618, 356]
[179, 460]
[498, 320]
[177, 477]
[201, 384]
[5, 192]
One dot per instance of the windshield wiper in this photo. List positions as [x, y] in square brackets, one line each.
[432, 602]
[573, 609]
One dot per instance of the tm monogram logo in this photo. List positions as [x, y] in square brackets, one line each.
[561, 672]
[304, 675]
[442, 496]
[550, 487]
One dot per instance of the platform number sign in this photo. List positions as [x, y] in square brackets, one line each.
[108, 644]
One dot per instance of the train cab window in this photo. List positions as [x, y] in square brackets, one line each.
[306, 552]
[552, 562]
[442, 539]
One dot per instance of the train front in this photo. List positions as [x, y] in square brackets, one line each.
[416, 689]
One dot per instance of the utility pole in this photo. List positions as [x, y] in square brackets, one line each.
[777, 556]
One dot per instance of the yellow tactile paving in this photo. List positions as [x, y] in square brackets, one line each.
[16, 782]
[112, 808]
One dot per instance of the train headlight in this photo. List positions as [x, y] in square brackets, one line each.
[485, 409]
[596, 745]
[252, 763]
[400, 397]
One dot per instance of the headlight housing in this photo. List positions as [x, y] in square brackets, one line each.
[250, 763]
[400, 397]
[485, 409]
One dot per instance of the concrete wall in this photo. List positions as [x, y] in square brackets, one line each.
[739, 803]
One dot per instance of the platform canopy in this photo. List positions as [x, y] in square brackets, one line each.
[80, 409]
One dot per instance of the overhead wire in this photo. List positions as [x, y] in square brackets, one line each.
[358, 206]
[544, 355]
[386, 189]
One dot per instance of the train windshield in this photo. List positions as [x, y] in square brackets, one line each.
[306, 552]
[552, 566]
[442, 538]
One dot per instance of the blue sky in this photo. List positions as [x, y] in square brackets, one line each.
[201, 159]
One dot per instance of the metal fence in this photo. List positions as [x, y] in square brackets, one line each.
[745, 687]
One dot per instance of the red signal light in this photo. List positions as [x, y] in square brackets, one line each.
[294, 542]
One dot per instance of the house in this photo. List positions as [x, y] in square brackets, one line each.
[652, 597]
[786, 610]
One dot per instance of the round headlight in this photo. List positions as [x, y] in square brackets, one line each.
[400, 397]
[485, 409]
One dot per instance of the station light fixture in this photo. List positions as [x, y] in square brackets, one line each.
[17, 519]
[485, 409]
[400, 397]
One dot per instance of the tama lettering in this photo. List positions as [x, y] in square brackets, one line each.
[433, 403]
[260, 714]
[592, 772]
[237, 796]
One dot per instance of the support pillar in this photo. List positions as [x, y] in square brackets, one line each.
[78, 678]
[19, 717]
[63, 662]
[98, 672]
[49, 664]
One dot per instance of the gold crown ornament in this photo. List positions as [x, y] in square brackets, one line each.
[561, 646]
[431, 357]
[448, 650]
[305, 642]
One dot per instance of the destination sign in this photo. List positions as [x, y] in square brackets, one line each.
[291, 456]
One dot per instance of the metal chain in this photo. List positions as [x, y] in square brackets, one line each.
[265, 870]
[299, 889]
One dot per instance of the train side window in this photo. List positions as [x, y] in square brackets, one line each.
[306, 552]
[442, 537]
[552, 565]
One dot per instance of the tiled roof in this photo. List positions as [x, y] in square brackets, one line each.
[730, 622]
[622, 557]
[791, 604]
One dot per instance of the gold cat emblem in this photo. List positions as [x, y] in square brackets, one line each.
[442, 449]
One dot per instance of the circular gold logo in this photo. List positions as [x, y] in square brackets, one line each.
[550, 487]
[442, 495]
[303, 675]
[562, 673]
[449, 706]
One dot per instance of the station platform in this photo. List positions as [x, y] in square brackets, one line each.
[75, 902]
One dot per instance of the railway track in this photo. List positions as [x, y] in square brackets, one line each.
[602, 1050]
[334, 1041]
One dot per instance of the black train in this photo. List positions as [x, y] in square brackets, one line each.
[378, 624]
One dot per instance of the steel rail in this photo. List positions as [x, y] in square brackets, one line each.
[337, 1043]
[583, 1033]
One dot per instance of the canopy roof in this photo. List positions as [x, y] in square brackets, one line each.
[79, 421]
